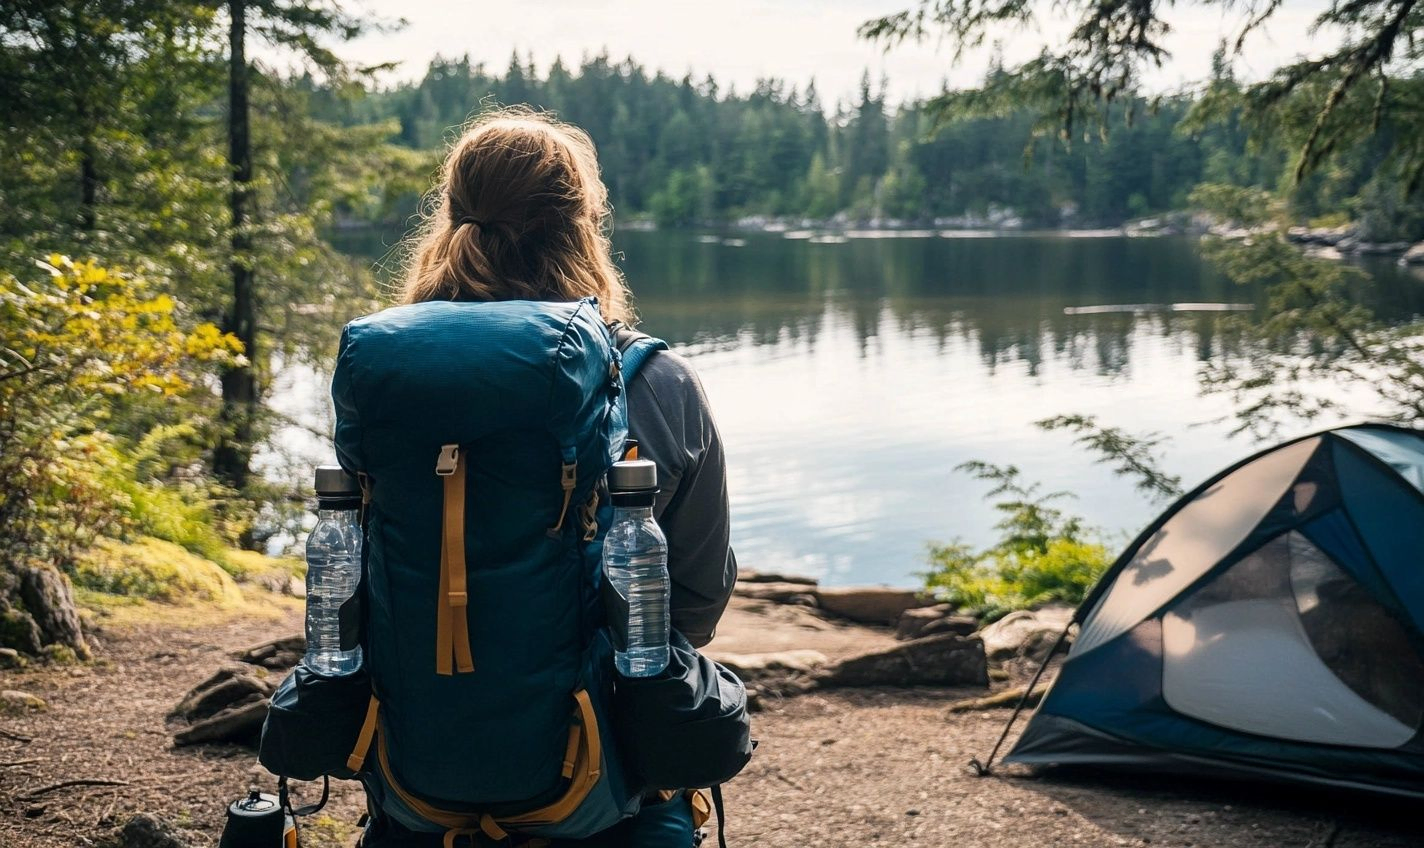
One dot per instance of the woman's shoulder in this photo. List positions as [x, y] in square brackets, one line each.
[667, 386]
[667, 369]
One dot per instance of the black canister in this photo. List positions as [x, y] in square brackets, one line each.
[257, 821]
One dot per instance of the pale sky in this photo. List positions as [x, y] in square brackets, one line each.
[741, 40]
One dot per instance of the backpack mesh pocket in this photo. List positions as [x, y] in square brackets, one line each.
[314, 725]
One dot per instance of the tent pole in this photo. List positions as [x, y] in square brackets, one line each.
[986, 768]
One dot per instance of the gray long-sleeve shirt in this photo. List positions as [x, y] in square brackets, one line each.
[669, 416]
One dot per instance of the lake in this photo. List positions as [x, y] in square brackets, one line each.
[850, 377]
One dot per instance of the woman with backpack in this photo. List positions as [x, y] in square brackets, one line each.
[522, 215]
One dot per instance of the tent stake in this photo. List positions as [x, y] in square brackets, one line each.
[985, 768]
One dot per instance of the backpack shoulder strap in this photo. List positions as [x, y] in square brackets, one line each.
[634, 348]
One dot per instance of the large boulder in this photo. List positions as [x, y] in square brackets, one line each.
[1024, 634]
[927, 621]
[47, 598]
[752, 667]
[780, 593]
[768, 577]
[870, 605]
[1414, 255]
[944, 660]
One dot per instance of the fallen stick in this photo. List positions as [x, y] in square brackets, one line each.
[65, 784]
[10, 734]
[1006, 698]
[14, 763]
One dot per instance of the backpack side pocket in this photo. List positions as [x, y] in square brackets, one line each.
[318, 725]
[686, 727]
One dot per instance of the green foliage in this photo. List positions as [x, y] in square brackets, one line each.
[1042, 554]
[1077, 81]
[1321, 347]
[1134, 456]
[84, 352]
[688, 152]
[154, 570]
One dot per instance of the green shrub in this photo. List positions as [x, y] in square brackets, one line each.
[88, 355]
[1042, 554]
[994, 582]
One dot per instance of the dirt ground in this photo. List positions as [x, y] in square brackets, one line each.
[845, 768]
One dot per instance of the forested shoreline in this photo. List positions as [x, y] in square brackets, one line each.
[690, 151]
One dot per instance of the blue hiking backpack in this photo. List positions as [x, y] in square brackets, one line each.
[482, 432]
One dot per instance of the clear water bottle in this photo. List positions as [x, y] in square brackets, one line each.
[333, 570]
[635, 563]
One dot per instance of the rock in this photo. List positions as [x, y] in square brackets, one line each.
[230, 706]
[147, 831]
[781, 593]
[1024, 634]
[15, 701]
[964, 625]
[280, 653]
[927, 621]
[281, 583]
[19, 631]
[1381, 248]
[869, 605]
[760, 577]
[47, 597]
[751, 667]
[1414, 255]
[10, 658]
[241, 723]
[57, 654]
[1333, 236]
[944, 660]
[231, 684]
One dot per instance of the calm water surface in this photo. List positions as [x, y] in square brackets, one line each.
[849, 379]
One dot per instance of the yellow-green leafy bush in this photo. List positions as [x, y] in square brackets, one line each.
[88, 357]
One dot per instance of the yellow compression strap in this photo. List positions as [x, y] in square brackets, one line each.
[363, 739]
[701, 802]
[452, 623]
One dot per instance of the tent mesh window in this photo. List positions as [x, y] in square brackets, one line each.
[1357, 638]
[1285, 644]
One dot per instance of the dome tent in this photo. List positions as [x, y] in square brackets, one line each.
[1270, 623]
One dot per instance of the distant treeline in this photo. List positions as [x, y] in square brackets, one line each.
[689, 151]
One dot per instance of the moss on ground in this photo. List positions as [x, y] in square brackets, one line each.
[249, 566]
[154, 570]
[327, 832]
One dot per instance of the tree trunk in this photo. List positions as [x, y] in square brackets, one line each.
[50, 603]
[233, 456]
[88, 176]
